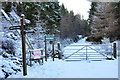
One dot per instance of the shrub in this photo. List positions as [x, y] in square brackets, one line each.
[8, 46]
[94, 40]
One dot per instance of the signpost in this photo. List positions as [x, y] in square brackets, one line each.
[23, 45]
[23, 32]
[22, 28]
[49, 38]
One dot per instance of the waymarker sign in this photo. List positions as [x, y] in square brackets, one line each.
[49, 37]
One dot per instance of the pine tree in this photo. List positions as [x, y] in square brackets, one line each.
[102, 20]
[50, 14]
[7, 6]
[47, 13]
[30, 10]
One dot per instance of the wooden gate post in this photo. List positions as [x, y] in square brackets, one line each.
[23, 44]
[59, 50]
[45, 49]
[114, 50]
[53, 49]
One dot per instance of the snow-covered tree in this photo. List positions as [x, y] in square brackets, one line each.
[102, 20]
[50, 14]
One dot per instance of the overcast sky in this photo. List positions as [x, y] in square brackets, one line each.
[78, 6]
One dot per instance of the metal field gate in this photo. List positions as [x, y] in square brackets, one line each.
[88, 52]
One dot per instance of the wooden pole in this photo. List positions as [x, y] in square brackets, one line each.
[114, 50]
[30, 59]
[59, 50]
[53, 49]
[23, 45]
[45, 49]
[42, 54]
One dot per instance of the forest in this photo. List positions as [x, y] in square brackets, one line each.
[51, 18]
[43, 18]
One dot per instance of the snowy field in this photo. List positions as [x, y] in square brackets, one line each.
[72, 69]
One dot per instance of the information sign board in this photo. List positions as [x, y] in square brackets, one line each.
[49, 37]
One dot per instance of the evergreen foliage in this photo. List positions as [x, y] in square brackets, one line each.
[53, 18]
[7, 6]
[104, 20]
[44, 12]
[50, 14]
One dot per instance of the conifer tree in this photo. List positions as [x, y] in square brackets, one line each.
[50, 15]
[103, 21]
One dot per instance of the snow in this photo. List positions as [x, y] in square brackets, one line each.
[6, 16]
[106, 40]
[15, 16]
[72, 69]
[9, 66]
[22, 15]
[27, 21]
[1, 34]
[1, 74]
[62, 69]
[118, 48]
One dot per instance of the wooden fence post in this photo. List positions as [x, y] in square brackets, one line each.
[42, 54]
[59, 50]
[53, 50]
[30, 59]
[114, 50]
[45, 49]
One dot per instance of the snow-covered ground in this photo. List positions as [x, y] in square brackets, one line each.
[73, 69]
[63, 69]
[0, 67]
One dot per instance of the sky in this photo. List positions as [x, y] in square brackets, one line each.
[78, 6]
